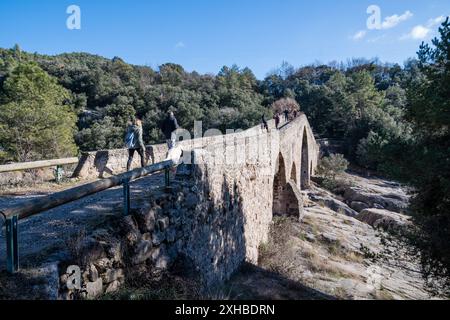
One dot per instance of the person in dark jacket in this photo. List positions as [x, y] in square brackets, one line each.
[277, 119]
[169, 126]
[264, 123]
[135, 142]
[286, 115]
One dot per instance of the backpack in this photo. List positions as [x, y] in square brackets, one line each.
[130, 140]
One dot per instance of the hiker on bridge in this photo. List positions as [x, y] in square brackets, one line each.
[264, 123]
[168, 127]
[286, 115]
[135, 142]
[276, 117]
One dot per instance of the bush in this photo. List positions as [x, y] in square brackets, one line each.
[330, 167]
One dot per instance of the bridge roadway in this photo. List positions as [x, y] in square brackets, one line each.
[45, 235]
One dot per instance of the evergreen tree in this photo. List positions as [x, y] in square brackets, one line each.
[35, 121]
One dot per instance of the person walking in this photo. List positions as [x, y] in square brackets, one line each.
[135, 142]
[264, 123]
[277, 119]
[295, 114]
[286, 115]
[168, 127]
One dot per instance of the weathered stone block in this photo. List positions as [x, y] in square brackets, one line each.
[91, 250]
[130, 229]
[113, 287]
[112, 275]
[94, 289]
[146, 219]
[93, 273]
[163, 223]
[143, 252]
[158, 238]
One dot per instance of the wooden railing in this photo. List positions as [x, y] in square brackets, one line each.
[36, 164]
[11, 215]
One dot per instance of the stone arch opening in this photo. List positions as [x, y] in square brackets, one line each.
[286, 196]
[279, 185]
[294, 173]
[305, 170]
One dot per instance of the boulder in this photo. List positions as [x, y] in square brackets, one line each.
[391, 202]
[333, 204]
[387, 220]
[359, 206]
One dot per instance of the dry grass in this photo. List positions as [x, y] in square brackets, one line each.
[166, 286]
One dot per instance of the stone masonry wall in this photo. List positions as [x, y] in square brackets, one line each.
[215, 217]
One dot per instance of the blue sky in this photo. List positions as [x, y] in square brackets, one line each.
[204, 35]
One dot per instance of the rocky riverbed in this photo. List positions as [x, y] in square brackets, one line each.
[339, 248]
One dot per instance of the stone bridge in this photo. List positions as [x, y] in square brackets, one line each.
[236, 183]
[217, 213]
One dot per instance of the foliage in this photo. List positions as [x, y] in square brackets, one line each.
[35, 120]
[283, 104]
[429, 169]
[332, 166]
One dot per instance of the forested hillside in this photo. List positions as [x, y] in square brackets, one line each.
[394, 119]
[361, 101]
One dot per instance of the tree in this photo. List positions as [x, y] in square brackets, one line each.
[35, 120]
[288, 104]
[429, 168]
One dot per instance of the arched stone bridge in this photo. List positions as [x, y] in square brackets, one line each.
[239, 182]
[215, 217]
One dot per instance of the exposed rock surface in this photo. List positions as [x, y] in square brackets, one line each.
[380, 218]
[362, 193]
[328, 200]
[334, 254]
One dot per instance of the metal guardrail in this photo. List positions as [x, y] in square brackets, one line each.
[13, 214]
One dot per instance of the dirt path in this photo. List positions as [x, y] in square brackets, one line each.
[43, 237]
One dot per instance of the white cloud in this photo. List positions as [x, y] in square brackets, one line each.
[180, 45]
[436, 21]
[421, 32]
[392, 21]
[376, 39]
[359, 35]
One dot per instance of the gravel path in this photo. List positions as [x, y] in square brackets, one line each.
[44, 236]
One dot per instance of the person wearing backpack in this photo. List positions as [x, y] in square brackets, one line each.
[135, 142]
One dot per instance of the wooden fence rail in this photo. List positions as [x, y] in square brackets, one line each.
[36, 164]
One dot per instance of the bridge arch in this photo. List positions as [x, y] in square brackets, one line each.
[294, 173]
[305, 172]
[285, 192]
